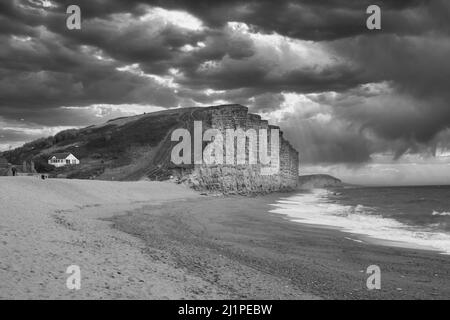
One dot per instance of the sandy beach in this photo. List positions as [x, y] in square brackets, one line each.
[46, 226]
[154, 240]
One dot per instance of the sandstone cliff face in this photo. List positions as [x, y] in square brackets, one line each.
[242, 179]
[139, 147]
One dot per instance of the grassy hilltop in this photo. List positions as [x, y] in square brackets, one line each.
[127, 148]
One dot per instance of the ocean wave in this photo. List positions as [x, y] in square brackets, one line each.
[316, 209]
[437, 213]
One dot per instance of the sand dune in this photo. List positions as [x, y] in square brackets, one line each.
[46, 226]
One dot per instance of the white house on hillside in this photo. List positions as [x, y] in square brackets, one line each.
[63, 159]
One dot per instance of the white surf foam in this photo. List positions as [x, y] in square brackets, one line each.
[316, 209]
[436, 213]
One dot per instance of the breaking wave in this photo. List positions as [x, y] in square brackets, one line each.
[316, 208]
[436, 213]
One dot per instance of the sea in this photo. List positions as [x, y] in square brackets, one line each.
[413, 217]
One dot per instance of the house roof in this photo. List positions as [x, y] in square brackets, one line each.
[61, 155]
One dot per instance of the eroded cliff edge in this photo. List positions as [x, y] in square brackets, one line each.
[241, 178]
[139, 147]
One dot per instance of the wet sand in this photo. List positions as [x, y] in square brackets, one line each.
[244, 252]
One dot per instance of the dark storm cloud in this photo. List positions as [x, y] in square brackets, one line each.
[266, 102]
[13, 136]
[317, 20]
[48, 70]
[300, 47]
[327, 142]
[417, 107]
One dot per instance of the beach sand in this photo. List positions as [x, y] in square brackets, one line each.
[154, 240]
[246, 252]
[46, 226]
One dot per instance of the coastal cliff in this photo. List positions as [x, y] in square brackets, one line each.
[318, 181]
[242, 179]
[139, 148]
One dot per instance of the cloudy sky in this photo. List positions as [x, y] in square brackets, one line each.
[369, 106]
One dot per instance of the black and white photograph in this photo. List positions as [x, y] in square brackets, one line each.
[224, 155]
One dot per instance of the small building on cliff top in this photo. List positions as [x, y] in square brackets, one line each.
[63, 159]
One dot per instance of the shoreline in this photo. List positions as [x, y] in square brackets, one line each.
[296, 261]
[314, 219]
[154, 240]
